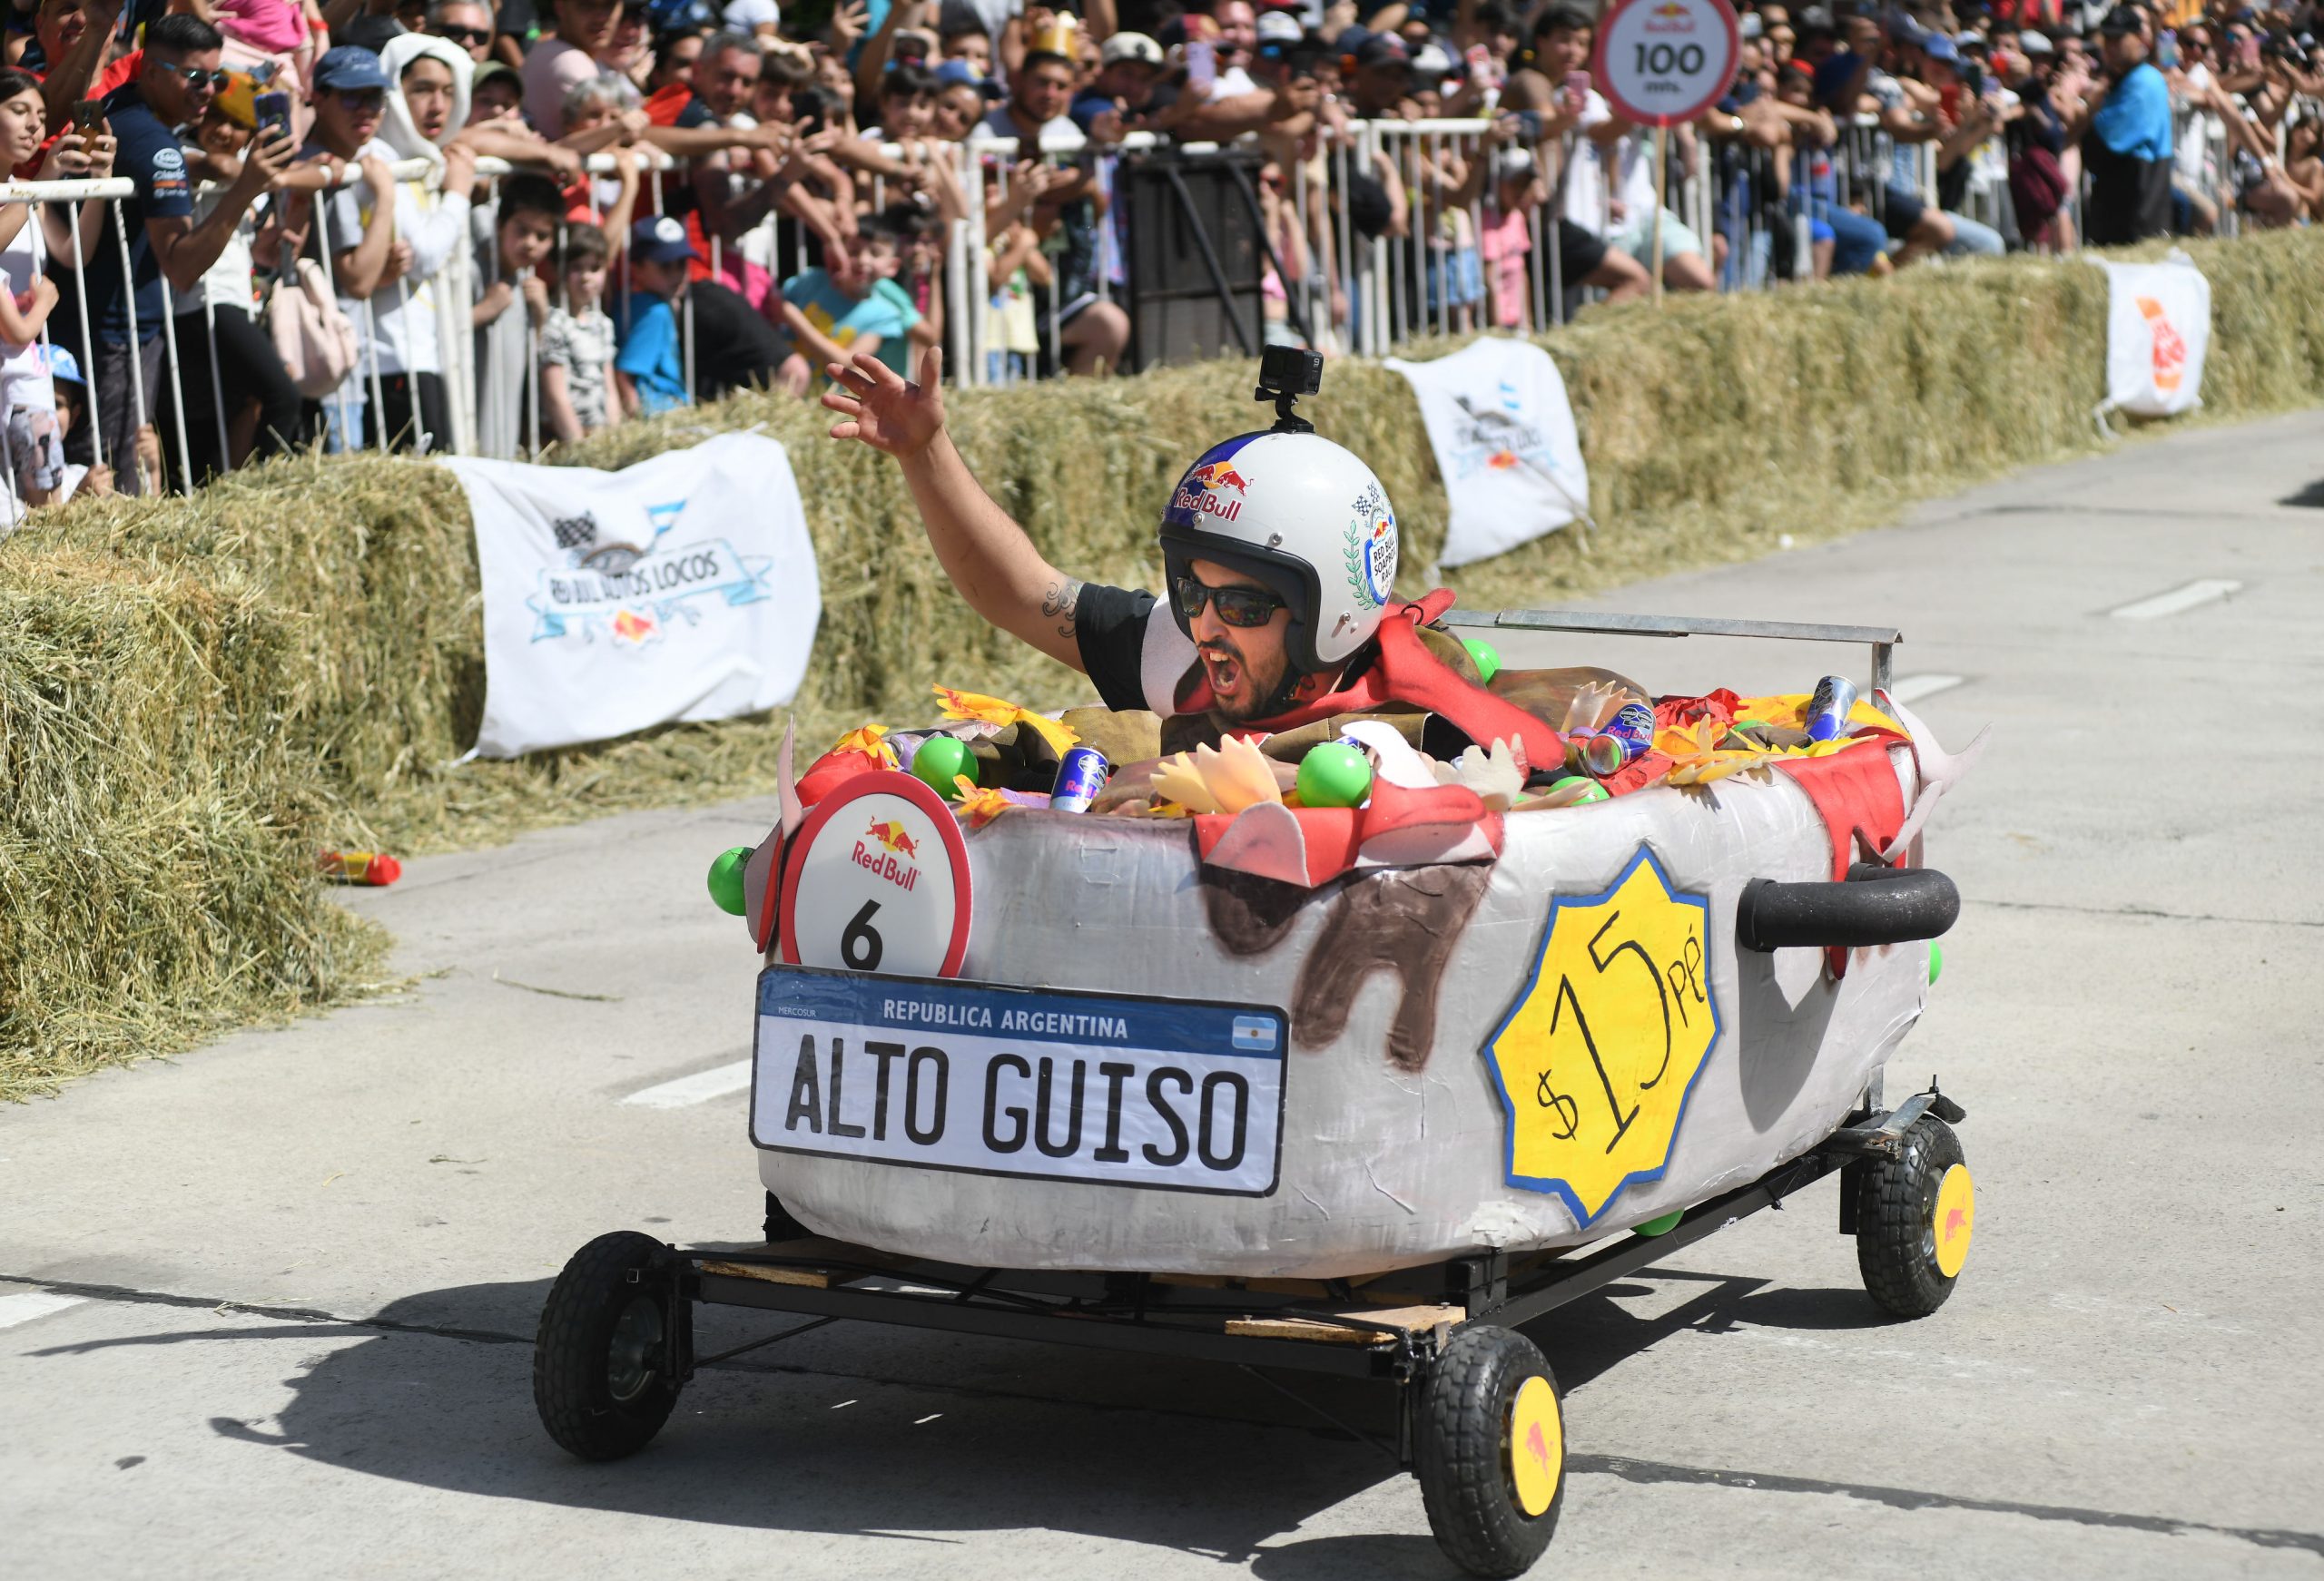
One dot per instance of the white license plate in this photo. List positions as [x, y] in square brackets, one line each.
[1048, 1084]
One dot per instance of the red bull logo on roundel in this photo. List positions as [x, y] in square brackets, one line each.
[1372, 548]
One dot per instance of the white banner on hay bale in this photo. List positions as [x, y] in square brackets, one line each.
[1504, 440]
[2158, 329]
[681, 588]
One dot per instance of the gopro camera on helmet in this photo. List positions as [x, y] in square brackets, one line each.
[1286, 373]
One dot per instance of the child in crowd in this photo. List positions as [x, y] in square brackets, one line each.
[1290, 244]
[511, 305]
[650, 370]
[578, 346]
[1456, 283]
[854, 305]
[34, 443]
[495, 93]
[1016, 265]
[1506, 240]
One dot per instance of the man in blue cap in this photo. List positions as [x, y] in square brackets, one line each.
[357, 224]
[650, 369]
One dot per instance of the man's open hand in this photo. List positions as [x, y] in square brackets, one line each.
[881, 410]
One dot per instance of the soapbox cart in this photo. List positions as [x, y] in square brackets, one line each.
[1111, 1082]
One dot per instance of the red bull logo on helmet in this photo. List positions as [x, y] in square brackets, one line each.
[1211, 487]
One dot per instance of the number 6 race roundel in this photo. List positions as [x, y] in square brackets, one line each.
[877, 881]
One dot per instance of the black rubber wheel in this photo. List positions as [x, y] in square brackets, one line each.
[1467, 1452]
[1896, 1227]
[601, 1375]
[780, 1225]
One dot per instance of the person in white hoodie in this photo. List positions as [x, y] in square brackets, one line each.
[427, 104]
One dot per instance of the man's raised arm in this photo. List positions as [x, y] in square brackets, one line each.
[980, 546]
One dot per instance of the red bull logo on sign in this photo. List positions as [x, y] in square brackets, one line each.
[2170, 350]
[894, 844]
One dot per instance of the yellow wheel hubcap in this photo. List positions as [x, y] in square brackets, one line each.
[1957, 1218]
[1536, 1446]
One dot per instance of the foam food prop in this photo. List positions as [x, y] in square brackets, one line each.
[1227, 778]
[994, 711]
[1393, 759]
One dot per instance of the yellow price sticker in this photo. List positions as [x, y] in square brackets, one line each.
[1596, 1060]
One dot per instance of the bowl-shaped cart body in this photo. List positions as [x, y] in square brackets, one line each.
[1464, 1036]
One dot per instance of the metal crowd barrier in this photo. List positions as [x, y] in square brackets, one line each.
[1413, 281]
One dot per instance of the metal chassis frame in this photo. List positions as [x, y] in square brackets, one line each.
[1882, 639]
[988, 1302]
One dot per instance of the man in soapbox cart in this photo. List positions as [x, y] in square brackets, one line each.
[1356, 1211]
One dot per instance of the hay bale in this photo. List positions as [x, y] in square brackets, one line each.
[156, 874]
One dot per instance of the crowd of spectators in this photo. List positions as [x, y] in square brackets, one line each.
[705, 198]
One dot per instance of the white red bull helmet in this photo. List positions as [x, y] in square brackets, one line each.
[1307, 519]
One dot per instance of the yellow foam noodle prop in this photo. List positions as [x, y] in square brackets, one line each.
[865, 739]
[980, 804]
[986, 709]
[1790, 710]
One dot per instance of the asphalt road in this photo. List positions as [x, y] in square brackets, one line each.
[267, 1310]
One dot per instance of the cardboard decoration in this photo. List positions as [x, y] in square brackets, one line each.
[1408, 1096]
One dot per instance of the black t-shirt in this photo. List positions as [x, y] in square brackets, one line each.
[148, 155]
[1109, 627]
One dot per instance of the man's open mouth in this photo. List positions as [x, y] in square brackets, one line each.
[1225, 670]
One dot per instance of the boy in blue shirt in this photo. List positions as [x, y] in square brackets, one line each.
[831, 314]
[650, 371]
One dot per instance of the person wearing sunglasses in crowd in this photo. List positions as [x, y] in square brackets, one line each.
[180, 79]
[1280, 552]
[467, 23]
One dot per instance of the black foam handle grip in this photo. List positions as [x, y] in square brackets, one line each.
[1873, 905]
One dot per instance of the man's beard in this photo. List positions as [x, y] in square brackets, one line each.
[1237, 691]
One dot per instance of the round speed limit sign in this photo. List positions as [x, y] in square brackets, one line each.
[1662, 61]
[877, 881]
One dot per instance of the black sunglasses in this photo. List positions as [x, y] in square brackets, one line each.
[1237, 606]
[195, 76]
[466, 35]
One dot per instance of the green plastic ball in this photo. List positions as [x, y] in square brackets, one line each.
[1488, 661]
[1595, 791]
[1661, 1226]
[1334, 774]
[726, 880]
[1935, 962]
[940, 760]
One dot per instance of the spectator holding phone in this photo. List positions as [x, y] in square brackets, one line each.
[179, 77]
[223, 351]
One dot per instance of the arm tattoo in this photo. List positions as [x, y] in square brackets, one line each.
[1059, 603]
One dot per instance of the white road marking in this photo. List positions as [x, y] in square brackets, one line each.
[1913, 688]
[33, 1303]
[2178, 600]
[928, 1418]
[698, 1088]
